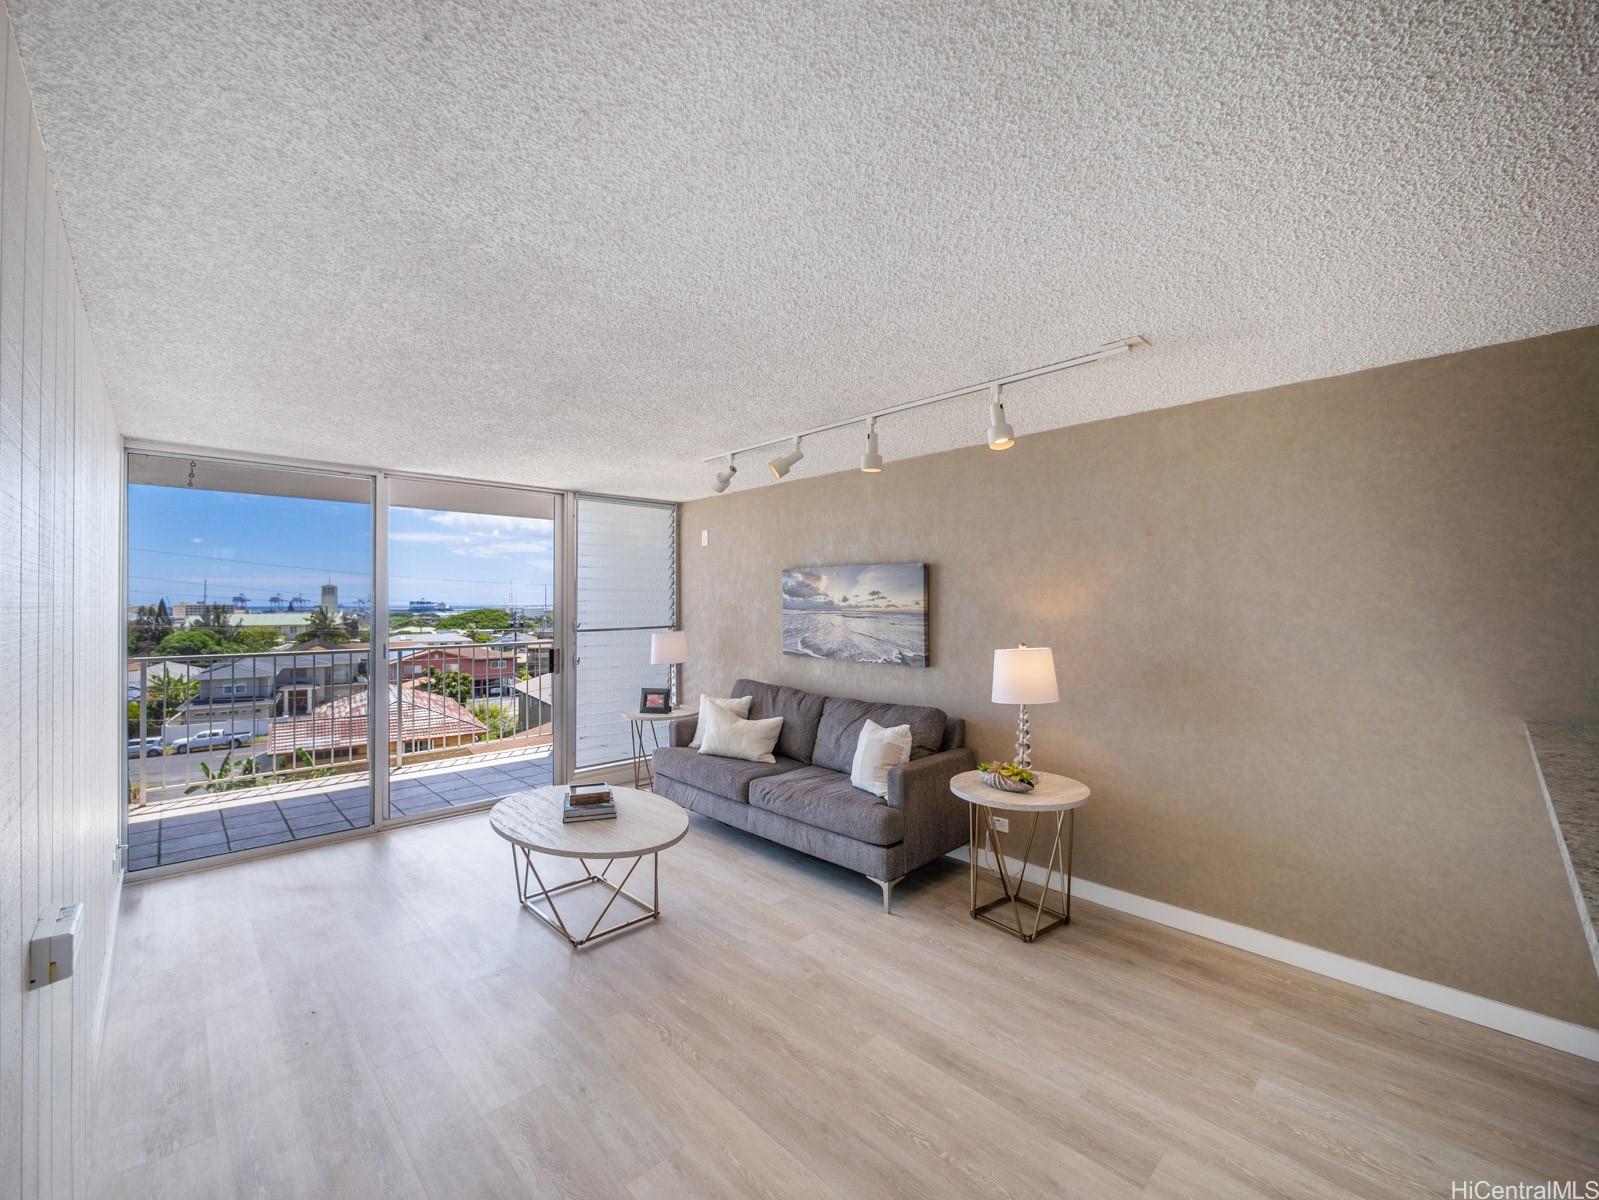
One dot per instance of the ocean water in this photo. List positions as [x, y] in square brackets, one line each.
[872, 637]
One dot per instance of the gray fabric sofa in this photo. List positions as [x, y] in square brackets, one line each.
[805, 800]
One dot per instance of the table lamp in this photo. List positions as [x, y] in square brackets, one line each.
[667, 650]
[1023, 676]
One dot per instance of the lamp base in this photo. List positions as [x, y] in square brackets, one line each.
[1024, 739]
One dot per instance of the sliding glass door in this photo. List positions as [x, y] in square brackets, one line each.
[248, 625]
[313, 651]
[471, 618]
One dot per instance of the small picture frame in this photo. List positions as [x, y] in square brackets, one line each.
[655, 700]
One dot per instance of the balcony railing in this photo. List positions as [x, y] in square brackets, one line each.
[203, 726]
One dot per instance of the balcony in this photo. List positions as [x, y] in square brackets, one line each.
[244, 751]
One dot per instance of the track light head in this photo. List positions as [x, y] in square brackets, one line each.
[871, 461]
[1000, 435]
[784, 463]
[723, 478]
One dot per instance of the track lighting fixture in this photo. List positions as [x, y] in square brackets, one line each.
[784, 463]
[1000, 435]
[871, 461]
[725, 477]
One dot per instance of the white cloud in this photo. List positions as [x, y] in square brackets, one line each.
[430, 537]
[502, 549]
[488, 523]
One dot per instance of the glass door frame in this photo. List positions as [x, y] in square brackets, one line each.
[378, 715]
[563, 594]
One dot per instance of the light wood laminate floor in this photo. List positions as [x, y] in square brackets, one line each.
[378, 1018]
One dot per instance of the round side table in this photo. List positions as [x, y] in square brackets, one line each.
[643, 773]
[1053, 795]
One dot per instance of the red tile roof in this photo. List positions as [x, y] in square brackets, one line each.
[341, 724]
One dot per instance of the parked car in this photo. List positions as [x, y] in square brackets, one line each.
[208, 739]
[152, 747]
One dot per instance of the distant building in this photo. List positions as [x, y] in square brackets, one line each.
[244, 694]
[288, 625]
[427, 606]
[330, 597]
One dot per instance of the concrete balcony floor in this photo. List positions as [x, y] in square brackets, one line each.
[210, 826]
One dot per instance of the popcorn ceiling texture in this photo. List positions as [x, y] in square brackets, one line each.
[582, 244]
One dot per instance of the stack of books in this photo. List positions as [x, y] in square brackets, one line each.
[588, 802]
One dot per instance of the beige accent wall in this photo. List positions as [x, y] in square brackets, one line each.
[1297, 633]
[62, 715]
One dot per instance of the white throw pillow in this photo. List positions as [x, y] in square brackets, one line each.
[729, 735]
[877, 750]
[739, 706]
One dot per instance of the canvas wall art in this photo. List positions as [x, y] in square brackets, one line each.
[870, 614]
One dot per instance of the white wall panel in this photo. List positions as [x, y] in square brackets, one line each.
[60, 655]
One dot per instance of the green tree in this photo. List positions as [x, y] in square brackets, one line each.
[216, 619]
[166, 692]
[500, 719]
[478, 618]
[254, 638]
[323, 626]
[151, 623]
[457, 685]
[190, 641]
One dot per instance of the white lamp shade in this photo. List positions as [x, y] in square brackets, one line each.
[1025, 675]
[668, 647]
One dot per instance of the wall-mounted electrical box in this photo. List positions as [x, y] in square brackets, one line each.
[54, 948]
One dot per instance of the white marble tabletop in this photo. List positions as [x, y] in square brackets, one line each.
[1052, 793]
[644, 824]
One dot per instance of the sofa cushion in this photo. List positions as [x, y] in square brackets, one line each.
[726, 777]
[825, 799]
[801, 713]
[840, 730]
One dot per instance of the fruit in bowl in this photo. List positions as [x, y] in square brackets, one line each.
[1007, 776]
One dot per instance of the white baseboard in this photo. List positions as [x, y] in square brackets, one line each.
[1519, 1022]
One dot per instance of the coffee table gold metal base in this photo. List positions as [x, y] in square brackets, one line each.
[533, 897]
[644, 825]
[1015, 923]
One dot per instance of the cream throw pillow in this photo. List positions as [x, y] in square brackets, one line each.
[729, 735]
[877, 750]
[739, 706]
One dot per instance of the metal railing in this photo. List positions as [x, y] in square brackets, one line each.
[204, 725]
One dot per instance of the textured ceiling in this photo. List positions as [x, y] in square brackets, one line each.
[586, 244]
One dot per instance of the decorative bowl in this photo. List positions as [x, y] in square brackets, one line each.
[1000, 783]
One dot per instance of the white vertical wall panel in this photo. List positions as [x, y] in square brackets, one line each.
[60, 656]
[626, 587]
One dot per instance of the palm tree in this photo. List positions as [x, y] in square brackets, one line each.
[323, 626]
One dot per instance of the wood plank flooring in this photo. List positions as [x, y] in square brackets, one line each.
[378, 1018]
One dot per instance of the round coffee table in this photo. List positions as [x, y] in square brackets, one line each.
[644, 826]
[1058, 795]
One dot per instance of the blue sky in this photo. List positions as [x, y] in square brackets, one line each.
[183, 541]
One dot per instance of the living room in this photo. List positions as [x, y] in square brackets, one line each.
[1016, 585]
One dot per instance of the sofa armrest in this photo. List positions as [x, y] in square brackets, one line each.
[935, 818]
[683, 731]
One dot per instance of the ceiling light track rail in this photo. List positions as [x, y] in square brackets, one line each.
[1108, 350]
